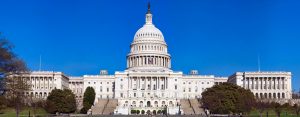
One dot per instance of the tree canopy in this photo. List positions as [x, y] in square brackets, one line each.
[88, 99]
[228, 98]
[61, 101]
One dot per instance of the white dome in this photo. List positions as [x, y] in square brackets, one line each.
[148, 33]
[148, 51]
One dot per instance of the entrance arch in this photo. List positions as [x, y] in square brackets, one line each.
[148, 103]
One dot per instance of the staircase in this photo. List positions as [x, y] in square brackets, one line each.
[197, 107]
[98, 108]
[186, 107]
[110, 107]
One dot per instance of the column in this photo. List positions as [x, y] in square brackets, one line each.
[164, 83]
[275, 87]
[247, 82]
[145, 83]
[138, 61]
[251, 82]
[155, 60]
[128, 83]
[150, 83]
[131, 82]
[258, 83]
[161, 61]
[138, 82]
[158, 82]
[269, 83]
[279, 81]
[283, 84]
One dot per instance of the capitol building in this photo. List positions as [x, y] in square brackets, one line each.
[149, 83]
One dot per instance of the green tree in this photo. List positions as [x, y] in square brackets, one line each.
[61, 101]
[228, 98]
[11, 70]
[88, 99]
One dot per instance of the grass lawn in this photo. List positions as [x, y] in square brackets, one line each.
[271, 113]
[10, 112]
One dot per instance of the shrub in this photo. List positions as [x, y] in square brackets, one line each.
[159, 112]
[133, 111]
[154, 112]
[143, 111]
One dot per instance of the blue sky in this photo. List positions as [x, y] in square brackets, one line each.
[213, 36]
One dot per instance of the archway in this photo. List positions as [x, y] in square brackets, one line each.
[163, 103]
[134, 104]
[148, 111]
[171, 104]
[141, 103]
[148, 103]
[155, 104]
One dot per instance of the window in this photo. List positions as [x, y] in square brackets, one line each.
[121, 79]
[94, 82]
[121, 94]
[189, 89]
[175, 79]
[175, 87]
[100, 88]
[107, 82]
[121, 86]
[89, 83]
[134, 94]
[107, 89]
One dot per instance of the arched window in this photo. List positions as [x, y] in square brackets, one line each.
[141, 103]
[156, 104]
[133, 104]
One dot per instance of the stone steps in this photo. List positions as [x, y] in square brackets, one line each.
[197, 107]
[98, 108]
[186, 107]
[110, 107]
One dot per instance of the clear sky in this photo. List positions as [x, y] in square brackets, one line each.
[213, 36]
